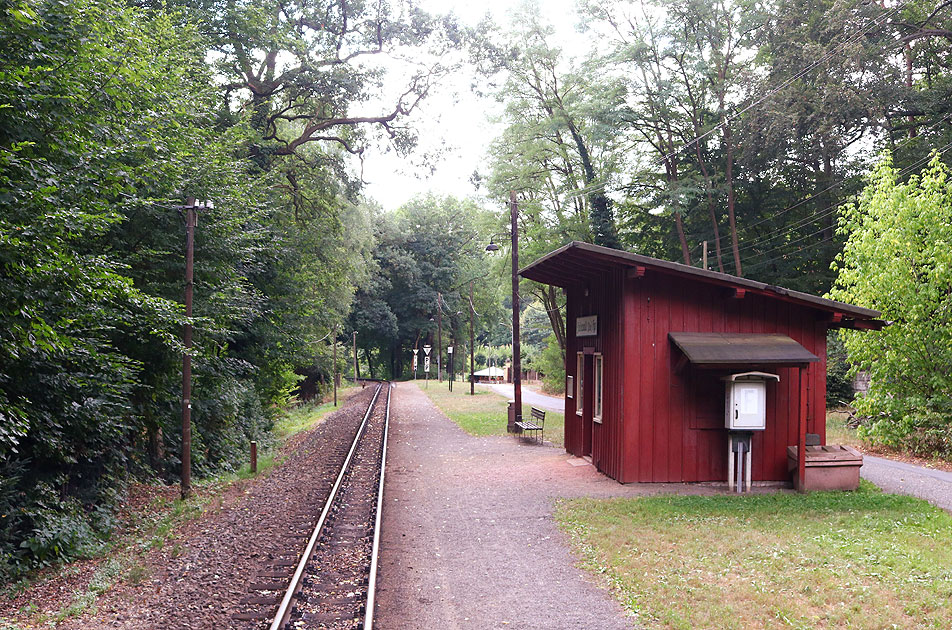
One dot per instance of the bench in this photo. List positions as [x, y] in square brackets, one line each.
[536, 424]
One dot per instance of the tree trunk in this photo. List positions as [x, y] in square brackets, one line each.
[602, 221]
[710, 205]
[729, 173]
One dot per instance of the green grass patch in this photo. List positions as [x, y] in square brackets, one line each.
[837, 432]
[859, 559]
[485, 412]
[294, 421]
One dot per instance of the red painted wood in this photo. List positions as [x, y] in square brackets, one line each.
[662, 425]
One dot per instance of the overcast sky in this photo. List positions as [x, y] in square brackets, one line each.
[455, 119]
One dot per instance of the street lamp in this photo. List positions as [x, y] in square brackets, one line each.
[516, 359]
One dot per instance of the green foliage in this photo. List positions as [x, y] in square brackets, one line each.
[839, 384]
[552, 366]
[427, 247]
[109, 117]
[898, 260]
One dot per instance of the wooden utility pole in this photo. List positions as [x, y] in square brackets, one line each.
[356, 375]
[334, 372]
[191, 220]
[704, 255]
[516, 359]
[472, 344]
[439, 338]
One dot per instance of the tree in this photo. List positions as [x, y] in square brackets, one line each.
[898, 260]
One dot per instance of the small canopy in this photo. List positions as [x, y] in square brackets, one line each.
[491, 372]
[714, 350]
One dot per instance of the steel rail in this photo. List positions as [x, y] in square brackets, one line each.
[372, 581]
[284, 610]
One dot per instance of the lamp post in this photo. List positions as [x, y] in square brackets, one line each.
[472, 344]
[439, 338]
[516, 359]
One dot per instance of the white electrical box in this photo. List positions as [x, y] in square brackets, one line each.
[745, 400]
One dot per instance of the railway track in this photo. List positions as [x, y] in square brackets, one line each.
[328, 577]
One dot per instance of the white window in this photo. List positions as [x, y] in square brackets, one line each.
[569, 386]
[579, 381]
[597, 416]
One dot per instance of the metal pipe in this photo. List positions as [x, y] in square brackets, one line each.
[516, 350]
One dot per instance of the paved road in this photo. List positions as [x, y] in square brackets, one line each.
[935, 486]
[550, 403]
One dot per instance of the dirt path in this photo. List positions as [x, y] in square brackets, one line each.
[469, 538]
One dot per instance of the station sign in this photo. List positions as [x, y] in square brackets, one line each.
[586, 326]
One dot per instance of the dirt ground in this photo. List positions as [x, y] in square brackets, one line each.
[469, 538]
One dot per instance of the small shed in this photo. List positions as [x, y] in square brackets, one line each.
[649, 345]
[490, 375]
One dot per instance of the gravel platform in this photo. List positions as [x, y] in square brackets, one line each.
[199, 580]
[469, 540]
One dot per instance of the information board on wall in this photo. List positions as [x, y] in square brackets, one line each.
[586, 326]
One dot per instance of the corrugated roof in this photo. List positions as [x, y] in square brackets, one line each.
[723, 349]
[581, 262]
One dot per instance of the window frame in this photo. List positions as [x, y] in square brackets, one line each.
[598, 403]
[579, 383]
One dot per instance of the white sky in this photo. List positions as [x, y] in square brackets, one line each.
[454, 119]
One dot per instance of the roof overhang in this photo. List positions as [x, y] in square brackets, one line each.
[738, 350]
[579, 263]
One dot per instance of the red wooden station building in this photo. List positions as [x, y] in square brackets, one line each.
[651, 346]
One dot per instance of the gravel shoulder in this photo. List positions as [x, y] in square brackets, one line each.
[197, 581]
[469, 538]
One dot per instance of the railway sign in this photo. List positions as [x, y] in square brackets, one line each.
[426, 350]
[414, 361]
[426, 363]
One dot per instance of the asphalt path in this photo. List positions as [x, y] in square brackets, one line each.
[529, 397]
[935, 486]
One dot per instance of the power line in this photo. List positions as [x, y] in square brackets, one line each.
[833, 207]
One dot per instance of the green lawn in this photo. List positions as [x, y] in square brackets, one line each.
[485, 412]
[837, 432]
[825, 560]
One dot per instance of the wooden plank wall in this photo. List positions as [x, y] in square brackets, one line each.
[603, 299]
[672, 423]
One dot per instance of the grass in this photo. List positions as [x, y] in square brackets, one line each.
[294, 421]
[859, 559]
[838, 433]
[485, 412]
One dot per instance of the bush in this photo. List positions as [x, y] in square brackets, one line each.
[897, 260]
[552, 366]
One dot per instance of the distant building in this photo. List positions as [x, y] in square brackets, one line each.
[490, 375]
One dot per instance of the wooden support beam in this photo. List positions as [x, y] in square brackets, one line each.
[802, 433]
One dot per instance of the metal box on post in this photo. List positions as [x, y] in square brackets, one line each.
[745, 401]
[745, 411]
